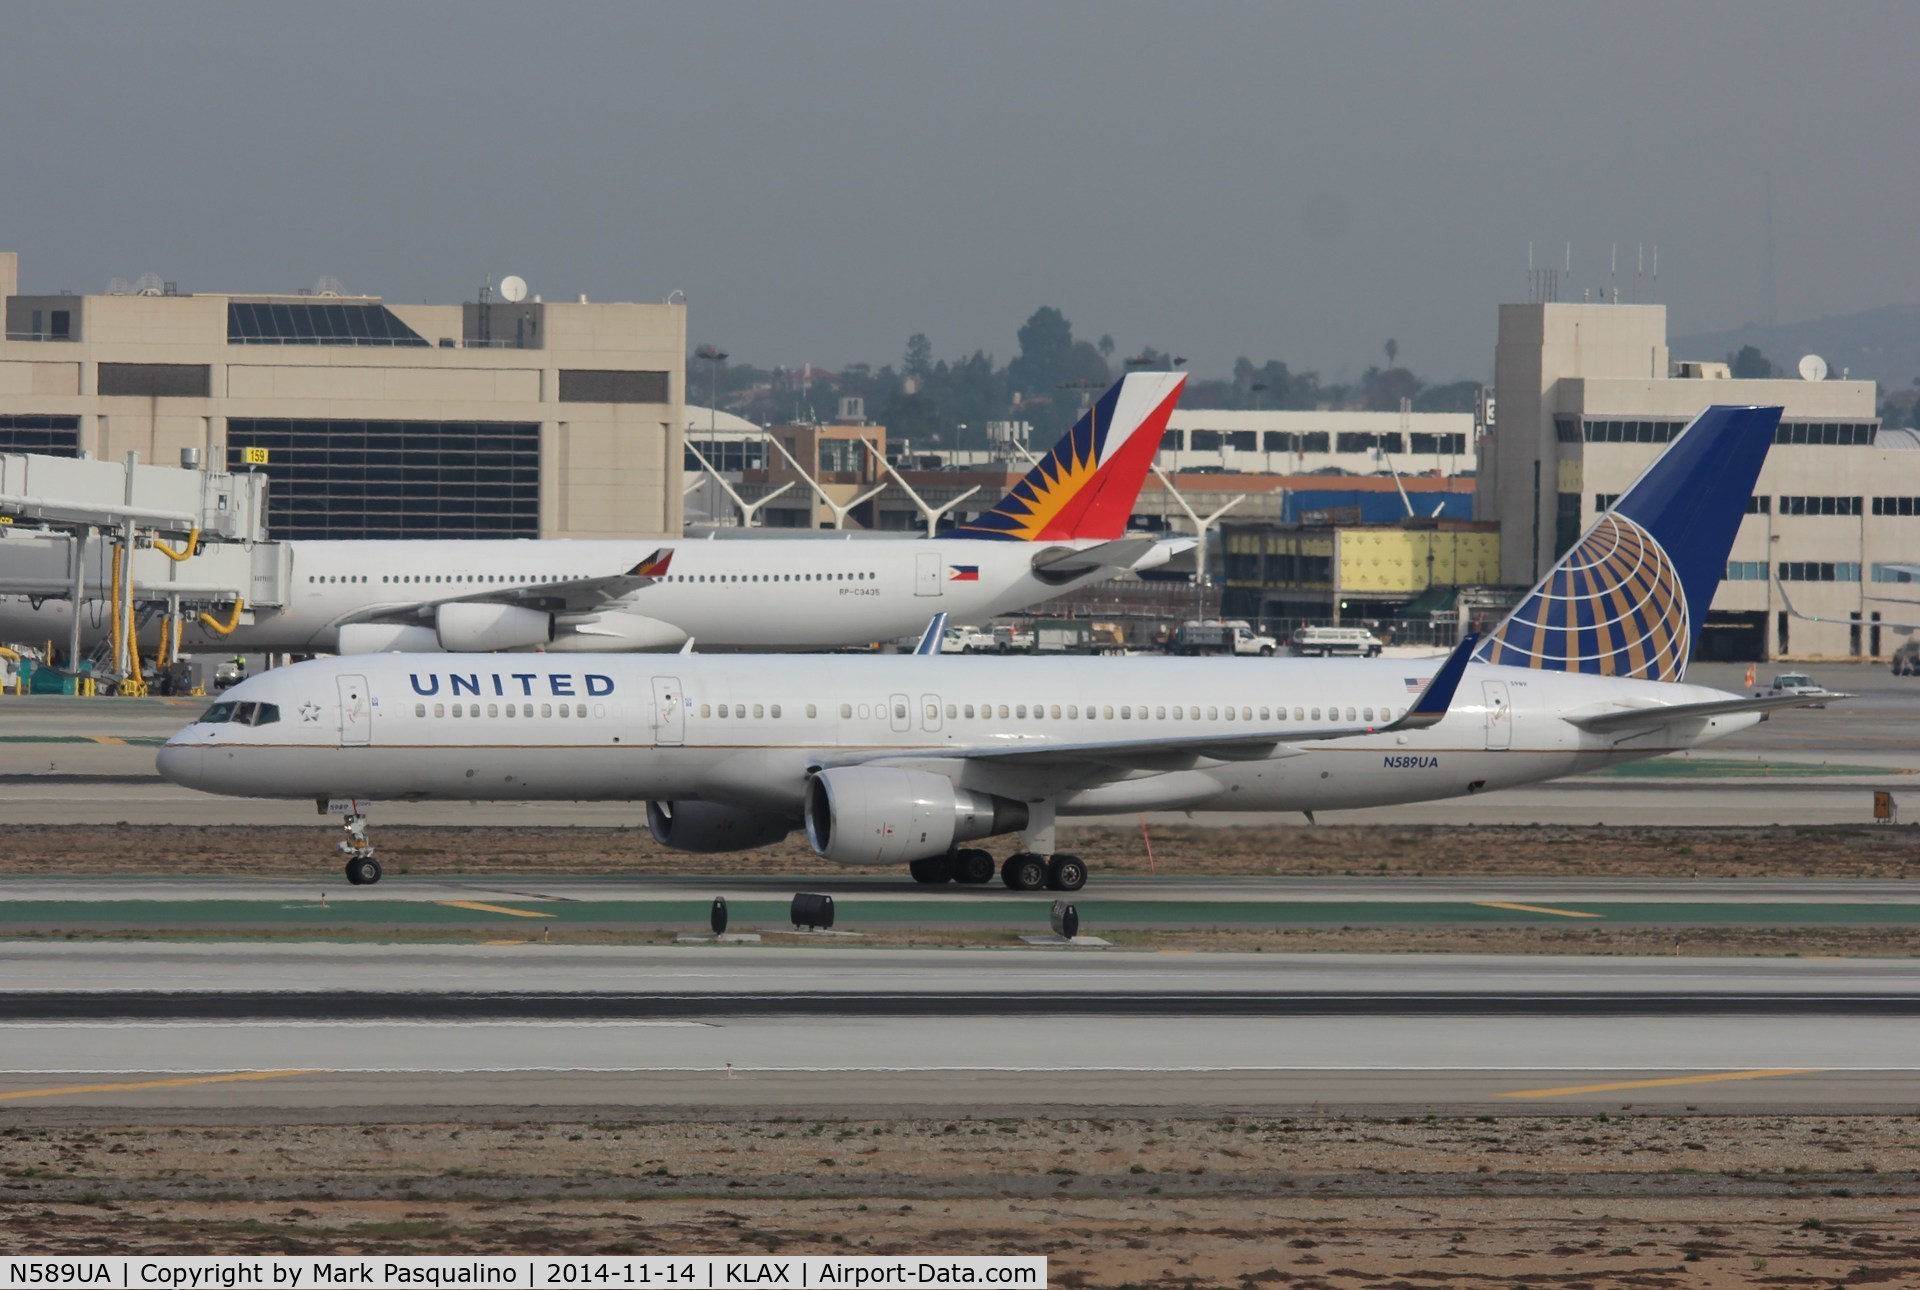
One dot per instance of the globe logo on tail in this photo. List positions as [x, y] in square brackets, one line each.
[1613, 606]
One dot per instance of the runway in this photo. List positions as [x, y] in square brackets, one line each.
[1008, 1031]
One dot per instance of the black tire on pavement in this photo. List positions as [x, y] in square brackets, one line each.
[1024, 872]
[1066, 873]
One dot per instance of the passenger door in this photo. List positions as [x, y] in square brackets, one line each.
[669, 711]
[1499, 715]
[356, 715]
[926, 573]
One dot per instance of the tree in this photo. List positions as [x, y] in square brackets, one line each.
[1383, 388]
[1750, 364]
[1046, 341]
[1393, 351]
[1106, 346]
[919, 359]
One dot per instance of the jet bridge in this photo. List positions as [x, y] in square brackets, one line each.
[138, 542]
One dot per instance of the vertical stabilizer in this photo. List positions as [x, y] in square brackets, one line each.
[1086, 486]
[1632, 595]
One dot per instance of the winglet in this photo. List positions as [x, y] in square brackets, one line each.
[654, 566]
[930, 639]
[1432, 705]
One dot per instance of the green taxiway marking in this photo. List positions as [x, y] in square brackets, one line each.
[293, 911]
[1735, 768]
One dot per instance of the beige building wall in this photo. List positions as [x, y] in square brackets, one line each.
[608, 468]
[1575, 364]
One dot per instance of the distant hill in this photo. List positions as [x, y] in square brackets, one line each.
[1878, 344]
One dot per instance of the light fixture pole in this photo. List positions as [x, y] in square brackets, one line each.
[713, 356]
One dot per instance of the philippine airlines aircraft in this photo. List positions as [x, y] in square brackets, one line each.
[1062, 527]
[906, 759]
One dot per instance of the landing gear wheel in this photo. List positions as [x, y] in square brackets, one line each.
[973, 867]
[1066, 873]
[363, 871]
[934, 869]
[1024, 872]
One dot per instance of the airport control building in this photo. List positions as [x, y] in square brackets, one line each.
[1587, 395]
[489, 419]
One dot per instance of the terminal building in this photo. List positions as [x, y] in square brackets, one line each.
[1587, 395]
[495, 418]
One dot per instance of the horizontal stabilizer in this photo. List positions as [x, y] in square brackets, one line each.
[1665, 714]
[1060, 564]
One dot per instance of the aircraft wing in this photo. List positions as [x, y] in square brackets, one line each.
[1657, 715]
[1183, 750]
[575, 596]
[1857, 622]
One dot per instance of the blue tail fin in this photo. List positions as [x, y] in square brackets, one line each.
[1631, 597]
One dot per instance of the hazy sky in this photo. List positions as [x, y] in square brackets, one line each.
[1292, 181]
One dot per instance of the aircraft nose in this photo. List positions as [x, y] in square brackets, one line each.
[181, 764]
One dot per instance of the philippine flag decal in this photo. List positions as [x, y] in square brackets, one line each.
[963, 573]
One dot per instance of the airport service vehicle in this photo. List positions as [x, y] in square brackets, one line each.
[1062, 527]
[1234, 636]
[1009, 638]
[967, 640]
[1906, 659]
[1326, 642]
[1797, 683]
[913, 760]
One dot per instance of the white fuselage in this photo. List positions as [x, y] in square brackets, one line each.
[748, 731]
[755, 594]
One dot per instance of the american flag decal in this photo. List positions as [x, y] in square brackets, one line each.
[1417, 683]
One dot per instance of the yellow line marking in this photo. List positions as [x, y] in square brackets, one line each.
[1535, 909]
[503, 942]
[107, 739]
[72, 1089]
[492, 909]
[1667, 1082]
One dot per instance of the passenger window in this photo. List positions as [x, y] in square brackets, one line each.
[1126, 712]
[759, 712]
[456, 709]
[580, 710]
[563, 709]
[1109, 712]
[846, 711]
[899, 712]
[775, 710]
[706, 710]
[1054, 712]
[1351, 715]
[952, 712]
[1316, 714]
[1246, 714]
[419, 709]
[1073, 712]
[1020, 711]
[1003, 712]
[866, 711]
[493, 709]
[1300, 714]
[812, 711]
[968, 710]
[1178, 712]
[546, 709]
[1368, 714]
[439, 709]
[1160, 714]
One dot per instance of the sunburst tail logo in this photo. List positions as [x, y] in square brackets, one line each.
[1632, 596]
[1087, 485]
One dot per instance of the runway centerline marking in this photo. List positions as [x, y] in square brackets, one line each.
[1667, 1082]
[1536, 909]
[492, 909]
[230, 1078]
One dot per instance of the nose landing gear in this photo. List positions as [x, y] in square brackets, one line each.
[362, 869]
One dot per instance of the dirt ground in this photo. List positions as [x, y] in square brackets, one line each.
[1239, 1200]
[1306, 850]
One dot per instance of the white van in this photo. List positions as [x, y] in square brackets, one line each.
[1322, 642]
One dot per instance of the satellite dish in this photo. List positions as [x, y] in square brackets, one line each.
[329, 286]
[513, 288]
[1813, 368]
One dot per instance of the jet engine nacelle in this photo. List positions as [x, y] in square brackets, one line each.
[708, 827]
[613, 632]
[890, 815]
[479, 628]
[386, 638]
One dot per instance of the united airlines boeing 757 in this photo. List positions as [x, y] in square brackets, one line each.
[1062, 527]
[911, 759]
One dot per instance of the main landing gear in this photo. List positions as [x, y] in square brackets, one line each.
[362, 869]
[1023, 872]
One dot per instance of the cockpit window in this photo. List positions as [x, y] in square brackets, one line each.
[217, 713]
[266, 714]
[243, 713]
